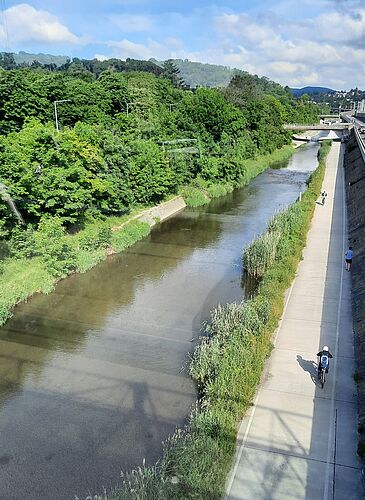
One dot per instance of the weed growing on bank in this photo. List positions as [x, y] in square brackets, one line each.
[39, 258]
[227, 365]
[200, 191]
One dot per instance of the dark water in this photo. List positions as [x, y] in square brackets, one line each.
[91, 377]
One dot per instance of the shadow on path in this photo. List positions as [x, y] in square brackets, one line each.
[309, 366]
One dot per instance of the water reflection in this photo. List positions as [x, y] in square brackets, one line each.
[91, 378]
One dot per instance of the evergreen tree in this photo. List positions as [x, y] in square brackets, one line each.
[171, 72]
[7, 60]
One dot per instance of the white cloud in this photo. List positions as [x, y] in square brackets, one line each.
[101, 57]
[24, 23]
[169, 48]
[323, 50]
[126, 48]
[327, 48]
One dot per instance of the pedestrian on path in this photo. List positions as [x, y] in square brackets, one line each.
[348, 258]
[324, 195]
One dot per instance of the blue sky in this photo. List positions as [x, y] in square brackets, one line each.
[294, 42]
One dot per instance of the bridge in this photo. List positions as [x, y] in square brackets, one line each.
[321, 126]
[308, 138]
[330, 117]
[359, 128]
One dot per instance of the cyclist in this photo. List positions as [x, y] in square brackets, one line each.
[324, 360]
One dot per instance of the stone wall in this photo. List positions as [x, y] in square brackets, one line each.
[355, 192]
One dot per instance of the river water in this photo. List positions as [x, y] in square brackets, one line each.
[91, 376]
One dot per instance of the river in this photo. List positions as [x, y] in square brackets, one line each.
[92, 376]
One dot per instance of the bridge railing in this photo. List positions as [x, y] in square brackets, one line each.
[333, 126]
[360, 142]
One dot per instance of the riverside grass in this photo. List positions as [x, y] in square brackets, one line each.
[201, 192]
[20, 279]
[227, 367]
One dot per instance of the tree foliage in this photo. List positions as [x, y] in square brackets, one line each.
[127, 137]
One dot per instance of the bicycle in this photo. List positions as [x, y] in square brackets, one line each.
[323, 364]
[322, 377]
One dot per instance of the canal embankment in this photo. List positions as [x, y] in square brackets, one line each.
[91, 374]
[39, 259]
[355, 188]
[228, 363]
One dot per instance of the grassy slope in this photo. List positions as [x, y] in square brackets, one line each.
[200, 192]
[20, 279]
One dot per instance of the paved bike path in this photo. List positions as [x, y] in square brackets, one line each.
[299, 441]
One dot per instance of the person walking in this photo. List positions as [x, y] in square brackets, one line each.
[348, 258]
[323, 194]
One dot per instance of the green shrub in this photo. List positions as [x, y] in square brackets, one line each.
[87, 259]
[52, 245]
[19, 280]
[216, 190]
[261, 254]
[129, 234]
[194, 196]
[96, 236]
[22, 242]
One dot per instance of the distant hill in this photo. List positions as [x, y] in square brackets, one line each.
[42, 58]
[311, 91]
[28, 58]
[198, 74]
[194, 74]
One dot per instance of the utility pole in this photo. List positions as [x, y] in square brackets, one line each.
[130, 104]
[55, 110]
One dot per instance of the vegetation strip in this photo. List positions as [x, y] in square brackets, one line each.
[38, 259]
[201, 191]
[42, 257]
[228, 363]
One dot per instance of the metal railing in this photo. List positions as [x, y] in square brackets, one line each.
[360, 142]
[333, 126]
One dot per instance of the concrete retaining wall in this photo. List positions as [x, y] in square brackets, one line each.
[163, 211]
[158, 213]
[355, 187]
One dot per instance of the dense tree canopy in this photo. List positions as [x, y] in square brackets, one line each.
[128, 137]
